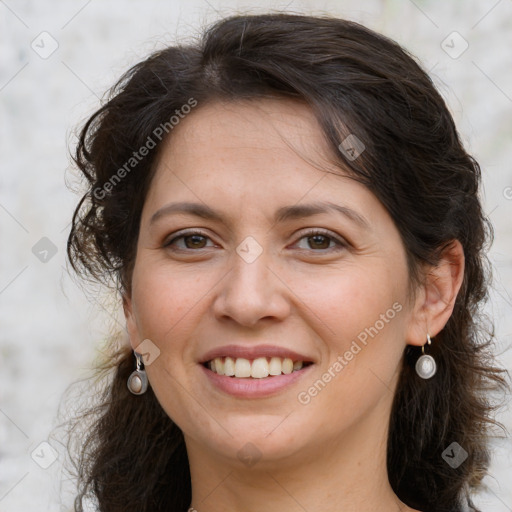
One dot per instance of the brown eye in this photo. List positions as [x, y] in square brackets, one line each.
[191, 240]
[319, 242]
[195, 241]
[322, 241]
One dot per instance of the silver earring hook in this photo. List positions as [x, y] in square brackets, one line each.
[139, 361]
[429, 342]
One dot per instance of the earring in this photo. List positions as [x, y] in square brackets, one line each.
[138, 380]
[426, 365]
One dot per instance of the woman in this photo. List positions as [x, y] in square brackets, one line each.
[295, 233]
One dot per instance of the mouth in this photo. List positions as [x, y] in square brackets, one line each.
[257, 368]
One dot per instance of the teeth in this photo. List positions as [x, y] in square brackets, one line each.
[275, 366]
[229, 366]
[219, 366]
[287, 366]
[242, 367]
[259, 368]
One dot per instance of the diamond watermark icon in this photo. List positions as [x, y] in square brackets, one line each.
[454, 45]
[455, 455]
[148, 350]
[249, 249]
[352, 147]
[249, 454]
[44, 45]
[44, 455]
[44, 250]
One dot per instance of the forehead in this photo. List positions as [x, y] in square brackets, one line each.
[252, 159]
[263, 141]
[263, 119]
[253, 164]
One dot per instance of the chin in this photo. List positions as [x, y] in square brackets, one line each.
[266, 438]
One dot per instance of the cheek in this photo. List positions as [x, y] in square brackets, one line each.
[164, 301]
[347, 301]
[362, 318]
[372, 323]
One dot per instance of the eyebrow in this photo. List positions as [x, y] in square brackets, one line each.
[283, 214]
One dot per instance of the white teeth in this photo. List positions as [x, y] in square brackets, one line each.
[242, 367]
[287, 366]
[219, 366]
[229, 366]
[275, 366]
[258, 368]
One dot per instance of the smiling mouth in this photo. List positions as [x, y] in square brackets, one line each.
[259, 368]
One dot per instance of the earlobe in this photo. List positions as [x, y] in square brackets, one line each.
[131, 325]
[436, 299]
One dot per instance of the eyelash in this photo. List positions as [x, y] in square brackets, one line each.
[307, 234]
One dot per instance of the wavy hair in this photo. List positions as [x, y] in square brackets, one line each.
[132, 457]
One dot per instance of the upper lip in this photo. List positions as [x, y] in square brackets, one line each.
[253, 352]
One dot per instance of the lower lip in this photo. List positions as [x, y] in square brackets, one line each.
[254, 388]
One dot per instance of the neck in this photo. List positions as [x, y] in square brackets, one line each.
[345, 473]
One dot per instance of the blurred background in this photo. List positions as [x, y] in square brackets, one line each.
[57, 58]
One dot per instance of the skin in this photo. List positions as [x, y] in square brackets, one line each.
[247, 159]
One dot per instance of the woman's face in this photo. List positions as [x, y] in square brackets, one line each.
[290, 262]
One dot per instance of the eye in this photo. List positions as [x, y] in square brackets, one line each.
[191, 239]
[321, 239]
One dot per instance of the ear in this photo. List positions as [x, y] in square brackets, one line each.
[131, 323]
[436, 297]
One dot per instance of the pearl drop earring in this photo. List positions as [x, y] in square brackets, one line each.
[426, 365]
[138, 380]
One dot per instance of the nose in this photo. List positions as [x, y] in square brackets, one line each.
[251, 292]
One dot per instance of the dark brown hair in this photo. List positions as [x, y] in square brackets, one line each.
[133, 457]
